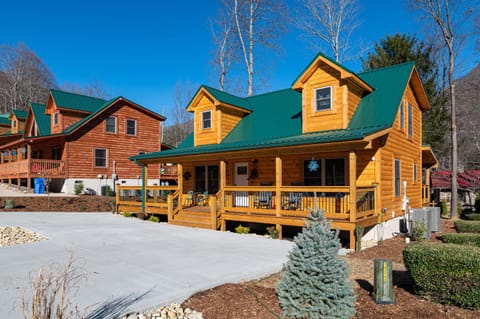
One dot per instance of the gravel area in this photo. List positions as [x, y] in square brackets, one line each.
[14, 235]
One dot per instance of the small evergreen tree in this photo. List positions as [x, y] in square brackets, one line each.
[314, 282]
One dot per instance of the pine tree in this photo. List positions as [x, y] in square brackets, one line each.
[314, 282]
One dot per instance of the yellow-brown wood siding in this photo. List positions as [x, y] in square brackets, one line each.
[210, 135]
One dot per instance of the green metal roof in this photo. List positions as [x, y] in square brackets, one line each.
[42, 120]
[226, 98]
[380, 107]
[276, 118]
[4, 121]
[20, 114]
[76, 102]
[85, 119]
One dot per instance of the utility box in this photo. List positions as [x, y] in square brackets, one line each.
[383, 282]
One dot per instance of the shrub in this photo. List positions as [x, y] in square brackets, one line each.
[127, 214]
[314, 282]
[444, 208]
[242, 230]
[108, 190]
[78, 188]
[272, 232]
[462, 239]
[419, 230]
[467, 226]
[154, 219]
[475, 216]
[445, 273]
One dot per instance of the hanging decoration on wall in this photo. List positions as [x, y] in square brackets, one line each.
[313, 165]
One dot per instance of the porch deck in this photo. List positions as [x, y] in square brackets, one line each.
[279, 206]
[32, 168]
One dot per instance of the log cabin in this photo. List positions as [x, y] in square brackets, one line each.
[348, 143]
[76, 139]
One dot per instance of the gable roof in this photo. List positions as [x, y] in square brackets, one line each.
[20, 114]
[42, 120]
[105, 106]
[4, 120]
[76, 102]
[345, 72]
[276, 118]
[221, 97]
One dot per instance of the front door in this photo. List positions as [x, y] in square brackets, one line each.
[241, 179]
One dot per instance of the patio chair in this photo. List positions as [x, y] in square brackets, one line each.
[263, 200]
[189, 199]
[202, 199]
[294, 201]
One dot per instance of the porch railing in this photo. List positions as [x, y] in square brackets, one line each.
[298, 201]
[34, 168]
[293, 201]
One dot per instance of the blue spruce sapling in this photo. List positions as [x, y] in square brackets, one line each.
[314, 282]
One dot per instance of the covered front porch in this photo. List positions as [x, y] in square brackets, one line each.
[275, 190]
[23, 161]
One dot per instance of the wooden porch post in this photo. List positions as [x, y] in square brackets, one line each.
[278, 192]
[223, 183]
[180, 184]
[19, 158]
[143, 187]
[352, 167]
[29, 162]
[9, 160]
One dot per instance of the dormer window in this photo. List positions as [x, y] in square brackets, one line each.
[55, 118]
[14, 123]
[323, 99]
[206, 120]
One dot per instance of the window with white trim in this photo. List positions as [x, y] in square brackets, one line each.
[100, 157]
[131, 127]
[111, 124]
[323, 99]
[206, 120]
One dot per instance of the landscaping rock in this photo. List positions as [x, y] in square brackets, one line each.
[14, 235]
[172, 311]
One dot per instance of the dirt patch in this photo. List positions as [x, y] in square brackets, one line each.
[258, 299]
[59, 204]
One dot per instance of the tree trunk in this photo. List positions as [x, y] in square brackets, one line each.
[454, 195]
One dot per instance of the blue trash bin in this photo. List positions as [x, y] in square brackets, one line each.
[39, 186]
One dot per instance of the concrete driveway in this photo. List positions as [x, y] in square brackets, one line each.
[132, 265]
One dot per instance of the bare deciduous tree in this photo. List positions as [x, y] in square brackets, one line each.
[223, 33]
[25, 78]
[331, 22]
[95, 89]
[258, 24]
[445, 15]
[182, 124]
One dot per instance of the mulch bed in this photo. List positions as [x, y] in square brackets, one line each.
[84, 203]
[257, 299]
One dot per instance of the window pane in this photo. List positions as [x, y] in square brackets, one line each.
[402, 115]
[335, 172]
[312, 178]
[111, 124]
[323, 98]
[397, 177]
[131, 127]
[410, 115]
[207, 119]
[100, 157]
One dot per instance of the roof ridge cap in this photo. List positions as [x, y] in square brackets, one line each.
[387, 67]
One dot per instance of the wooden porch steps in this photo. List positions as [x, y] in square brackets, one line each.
[192, 218]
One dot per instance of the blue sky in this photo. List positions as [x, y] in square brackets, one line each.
[141, 49]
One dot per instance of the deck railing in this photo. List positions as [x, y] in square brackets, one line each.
[294, 201]
[34, 168]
